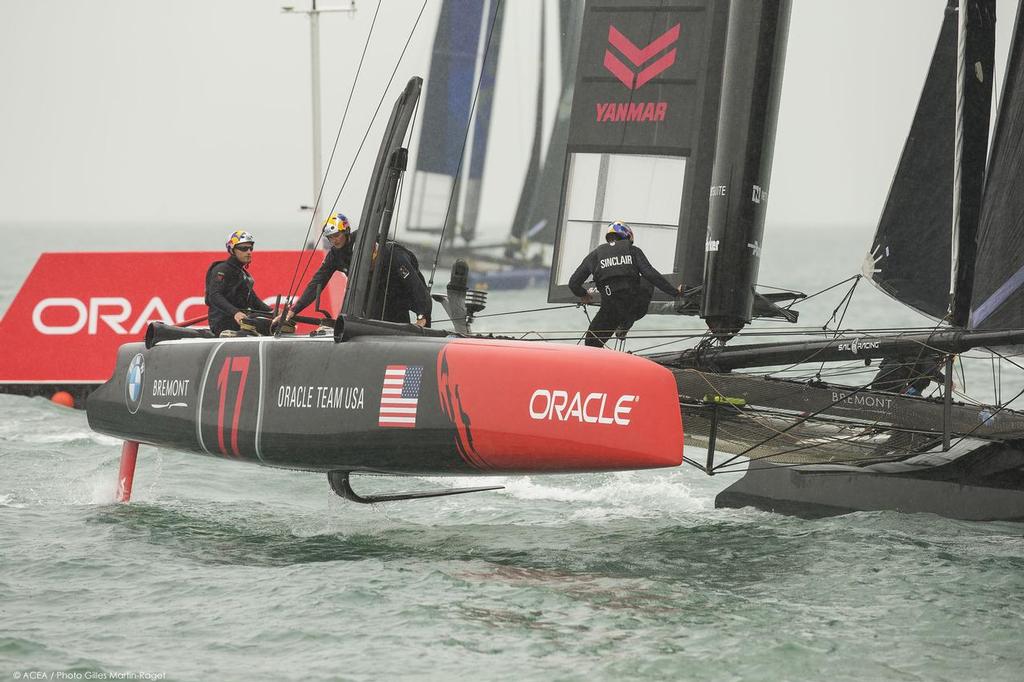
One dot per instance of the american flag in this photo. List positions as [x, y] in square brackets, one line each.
[400, 393]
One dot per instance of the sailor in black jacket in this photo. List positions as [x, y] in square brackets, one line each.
[625, 279]
[229, 287]
[337, 259]
[401, 287]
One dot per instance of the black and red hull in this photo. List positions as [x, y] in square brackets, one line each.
[395, 404]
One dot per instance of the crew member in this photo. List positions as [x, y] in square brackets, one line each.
[908, 375]
[338, 258]
[625, 279]
[229, 287]
[401, 288]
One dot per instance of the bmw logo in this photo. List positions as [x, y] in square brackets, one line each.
[133, 383]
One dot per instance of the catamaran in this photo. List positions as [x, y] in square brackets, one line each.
[682, 98]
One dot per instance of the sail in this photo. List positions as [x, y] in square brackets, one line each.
[482, 120]
[641, 134]
[531, 183]
[912, 254]
[446, 109]
[539, 227]
[998, 296]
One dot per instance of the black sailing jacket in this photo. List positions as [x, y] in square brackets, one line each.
[402, 287]
[618, 265]
[335, 260]
[229, 289]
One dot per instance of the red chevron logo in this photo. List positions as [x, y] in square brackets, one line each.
[638, 57]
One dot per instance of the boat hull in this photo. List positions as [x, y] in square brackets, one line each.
[402, 405]
[985, 483]
[816, 449]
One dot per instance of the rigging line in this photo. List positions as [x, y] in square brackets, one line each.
[818, 293]
[373, 118]
[586, 312]
[1005, 357]
[857, 464]
[842, 397]
[514, 312]
[848, 298]
[768, 286]
[993, 415]
[851, 440]
[452, 197]
[657, 345]
[694, 464]
[330, 161]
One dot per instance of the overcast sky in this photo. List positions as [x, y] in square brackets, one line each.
[197, 111]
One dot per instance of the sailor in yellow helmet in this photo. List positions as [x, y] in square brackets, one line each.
[229, 286]
[338, 258]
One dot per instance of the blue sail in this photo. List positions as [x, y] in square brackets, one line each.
[450, 86]
[482, 122]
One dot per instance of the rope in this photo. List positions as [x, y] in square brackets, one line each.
[373, 118]
[330, 161]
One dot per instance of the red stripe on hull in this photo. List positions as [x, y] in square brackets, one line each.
[522, 407]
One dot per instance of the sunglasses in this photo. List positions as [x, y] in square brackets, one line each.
[244, 248]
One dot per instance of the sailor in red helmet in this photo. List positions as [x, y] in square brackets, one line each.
[624, 277]
[229, 286]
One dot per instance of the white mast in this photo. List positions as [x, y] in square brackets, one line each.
[314, 56]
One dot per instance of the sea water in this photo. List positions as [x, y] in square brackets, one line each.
[225, 571]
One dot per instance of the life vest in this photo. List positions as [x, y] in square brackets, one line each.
[395, 246]
[238, 292]
[614, 261]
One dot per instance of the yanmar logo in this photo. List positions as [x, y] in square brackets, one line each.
[640, 66]
[595, 408]
[638, 57]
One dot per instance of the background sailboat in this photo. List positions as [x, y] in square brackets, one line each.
[447, 194]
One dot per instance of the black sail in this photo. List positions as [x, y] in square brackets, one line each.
[998, 296]
[911, 252]
[912, 255]
[539, 227]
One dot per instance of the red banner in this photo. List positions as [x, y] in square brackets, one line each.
[76, 309]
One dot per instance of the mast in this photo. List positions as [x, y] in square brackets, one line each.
[975, 67]
[314, 69]
[314, 50]
[375, 220]
[951, 342]
[958, 147]
[754, 60]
